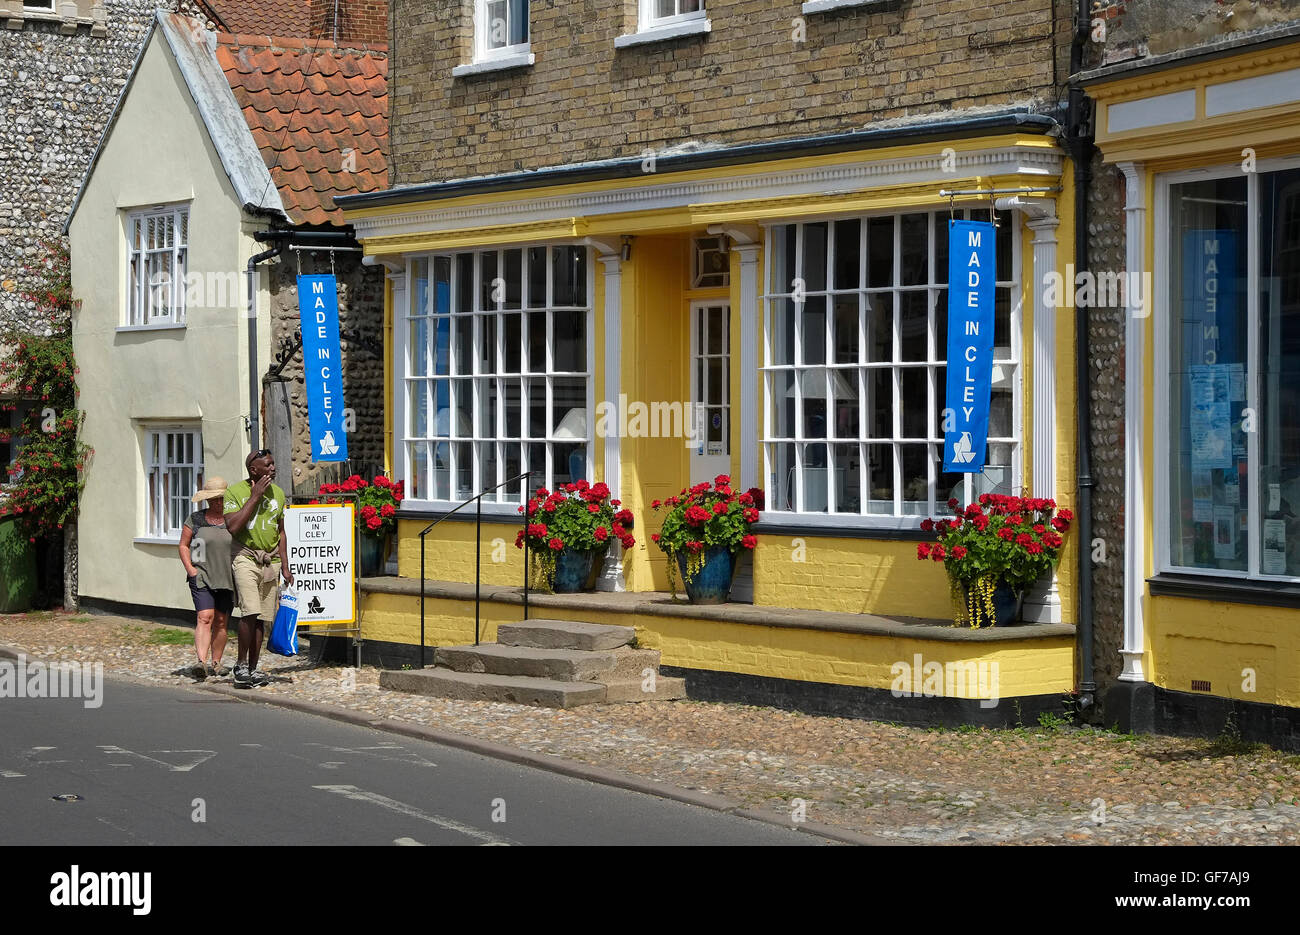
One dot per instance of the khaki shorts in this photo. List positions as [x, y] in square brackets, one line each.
[256, 598]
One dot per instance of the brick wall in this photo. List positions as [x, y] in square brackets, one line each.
[1139, 28]
[764, 72]
[357, 20]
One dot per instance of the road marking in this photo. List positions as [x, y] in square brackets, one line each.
[374, 798]
[403, 755]
[189, 760]
[10, 774]
[407, 842]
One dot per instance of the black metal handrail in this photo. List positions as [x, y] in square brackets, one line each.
[477, 499]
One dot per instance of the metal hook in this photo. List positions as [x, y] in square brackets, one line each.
[297, 256]
[332, 273]
[952, 214]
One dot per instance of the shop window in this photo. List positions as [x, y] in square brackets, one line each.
[497, 375]
[1233, 349]
[157, 249]
[173, 471]
[854, 340]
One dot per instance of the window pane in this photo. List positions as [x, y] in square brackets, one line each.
[845, 329]
[782, 387]
[513, 276]
[880, 479]
[814, 257]
[880, 252]
[464, 282]
[518, 21]
[916, 479]
[814, 330]
[781, 335]
[879, 404]
[570, 341]
[1279, 363]
[1207, 260]
[880, 328]
[914, 324]
[915, 402]
[570, 276]
[845, 471]
[814, 479]
[512, 341]
[848, 260]
[916, 249]
[536, 277]
[783, 243]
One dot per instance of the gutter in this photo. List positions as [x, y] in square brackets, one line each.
[1079, 143]
[631, 166]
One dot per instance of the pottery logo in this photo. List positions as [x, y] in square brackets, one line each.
[22, 679]
[328, 445]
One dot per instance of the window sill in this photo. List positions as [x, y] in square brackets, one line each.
[837, 526]
[156, 540]
[1228, 590]
[504, 63]
[171, 326]
[696, 27]
[827, 6]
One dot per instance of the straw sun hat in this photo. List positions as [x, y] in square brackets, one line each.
[214, 487]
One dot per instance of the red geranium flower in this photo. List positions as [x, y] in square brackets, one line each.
[601, 533]
[556, 544]
[937, 553]
[627, 542]
[959, 551]
[749, 542]
[719, 509]
[927, 525]
[923, 550]
[387, 510]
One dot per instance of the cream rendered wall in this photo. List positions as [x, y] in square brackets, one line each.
[158, 152]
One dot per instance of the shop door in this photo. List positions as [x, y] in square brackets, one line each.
[710, 390]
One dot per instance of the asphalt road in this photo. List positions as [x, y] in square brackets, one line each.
[170, 766]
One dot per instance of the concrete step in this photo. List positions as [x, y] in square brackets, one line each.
[480, 686]
[564, 634]
[666, 689]
[563, 665]
[630, 663]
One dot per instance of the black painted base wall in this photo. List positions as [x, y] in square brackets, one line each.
[1145, 708]
[97, 605]
[877, 704]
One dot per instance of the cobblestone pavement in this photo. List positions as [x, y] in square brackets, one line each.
[1040, 785]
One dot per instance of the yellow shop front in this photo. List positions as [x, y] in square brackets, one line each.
[776, 313]
[1209, 144]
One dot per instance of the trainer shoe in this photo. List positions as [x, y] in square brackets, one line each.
[258, 677]
[199, 671]
[243, 678]
[219, 670]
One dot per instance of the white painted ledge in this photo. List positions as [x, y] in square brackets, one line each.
[170, 326]
[504, 63]
[826, 6]
[695, 27]
[156, 540]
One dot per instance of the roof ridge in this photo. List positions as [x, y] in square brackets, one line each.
[239, 40]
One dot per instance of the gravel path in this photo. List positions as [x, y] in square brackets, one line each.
[1028, 786]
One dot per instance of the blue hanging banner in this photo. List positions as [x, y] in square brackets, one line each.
[318, 312]
[972, 272]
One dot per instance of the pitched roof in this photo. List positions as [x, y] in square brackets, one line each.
[318, 113]
[260, 17]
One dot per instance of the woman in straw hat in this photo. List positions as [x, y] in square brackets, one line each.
[205, 553]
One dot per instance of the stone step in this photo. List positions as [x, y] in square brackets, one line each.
[666, 689]
[480, 686]
[563, 665]
[564, 634]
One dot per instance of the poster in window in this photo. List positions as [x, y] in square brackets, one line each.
[1202, 497]
[1211, 427]
[1274, 560]
[1225, 531]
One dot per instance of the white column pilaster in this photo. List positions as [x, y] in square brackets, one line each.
[748, 349]
[611, 575]
[1042, 602]
[1135, 318]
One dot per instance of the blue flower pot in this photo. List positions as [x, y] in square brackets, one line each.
[713, 584]
[374, 553]
[573, 569]
[1006, 605]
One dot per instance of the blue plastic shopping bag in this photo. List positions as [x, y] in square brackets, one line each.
[284, 632]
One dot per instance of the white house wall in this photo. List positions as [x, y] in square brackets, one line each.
[158, 152]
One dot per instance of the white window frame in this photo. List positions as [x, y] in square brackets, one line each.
[483, 52]
[647, 19]
[501, 503]
[775, 514]
[1163, 335]
[142, 292]
[161, 495]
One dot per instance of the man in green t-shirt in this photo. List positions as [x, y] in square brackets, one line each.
[255, 519]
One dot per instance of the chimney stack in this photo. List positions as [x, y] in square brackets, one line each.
[350, 22]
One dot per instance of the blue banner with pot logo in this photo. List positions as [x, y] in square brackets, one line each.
[318, 312]
[972, 271]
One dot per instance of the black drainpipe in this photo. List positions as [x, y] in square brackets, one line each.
[1080, 145]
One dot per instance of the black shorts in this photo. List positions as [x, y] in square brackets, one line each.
[208, 599]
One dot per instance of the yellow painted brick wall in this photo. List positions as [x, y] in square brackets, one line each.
[747, 80]
[1219, 642]
[1028, 667]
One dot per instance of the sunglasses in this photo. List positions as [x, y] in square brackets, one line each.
[255, 455]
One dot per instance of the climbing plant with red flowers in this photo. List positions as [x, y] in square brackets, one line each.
[377, 502]
[46, 477]
[998, 540]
